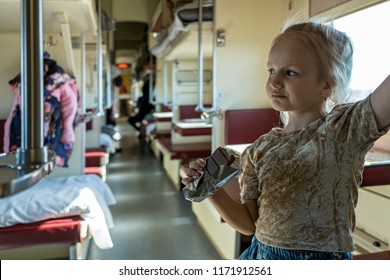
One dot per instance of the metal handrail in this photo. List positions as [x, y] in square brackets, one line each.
[207, 113]
[200, 106]
[31, 75]
[99, 62]
[165, 83]
[32, 161]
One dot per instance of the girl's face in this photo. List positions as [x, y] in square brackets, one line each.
[294, 84]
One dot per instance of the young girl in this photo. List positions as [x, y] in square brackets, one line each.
[299, 184]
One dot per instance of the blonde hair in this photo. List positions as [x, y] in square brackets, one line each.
[334, 51]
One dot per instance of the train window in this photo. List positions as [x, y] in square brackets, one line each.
[369, 31]
[318, 6]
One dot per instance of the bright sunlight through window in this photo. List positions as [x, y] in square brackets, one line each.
[369, 31]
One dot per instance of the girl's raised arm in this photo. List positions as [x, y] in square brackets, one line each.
[380, 101]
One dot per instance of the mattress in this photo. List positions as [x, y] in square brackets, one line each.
[86, 196]
[70, 230]
[185, 20]
[190, 13]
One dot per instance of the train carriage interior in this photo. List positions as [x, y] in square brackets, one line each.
[105, 103]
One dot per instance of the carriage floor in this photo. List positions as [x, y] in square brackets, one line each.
[152, 219]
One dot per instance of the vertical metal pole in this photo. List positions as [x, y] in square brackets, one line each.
[83, 95]
[215, 94]
[164, 26]
[200, 107]
[83, 74]
[32, 83]
[151, 79]
[175, 67]
[99, 67]
[165, 83]
[109, 87]
[110, 51]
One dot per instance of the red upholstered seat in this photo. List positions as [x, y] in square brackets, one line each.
[157, 134]
[164, 108]
[61, 230]
[186, 151]
[161, 119]
[89, 124]
[192, 131]
[97, 170]
[376, 175]
[1, 134]
[385, 255]
[188, 112]
[96, 149]
[96, 159]
[245, 126]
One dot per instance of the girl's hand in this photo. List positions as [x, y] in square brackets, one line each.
[194, 169]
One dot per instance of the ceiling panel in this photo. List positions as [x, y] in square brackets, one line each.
[81, 15]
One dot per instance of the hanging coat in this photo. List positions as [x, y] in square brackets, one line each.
[60, 108]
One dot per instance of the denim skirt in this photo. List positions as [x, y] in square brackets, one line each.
[260, 251]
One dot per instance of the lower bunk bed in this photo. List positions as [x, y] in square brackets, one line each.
[56, 218]
[61, 238]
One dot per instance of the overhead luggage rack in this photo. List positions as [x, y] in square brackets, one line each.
[81, 15]
[181, 38]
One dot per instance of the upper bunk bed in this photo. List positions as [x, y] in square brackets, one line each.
[80, 14]
[181, 39]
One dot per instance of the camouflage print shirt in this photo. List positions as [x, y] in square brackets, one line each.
[306, 182]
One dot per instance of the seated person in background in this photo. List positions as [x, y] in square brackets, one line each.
[144, 110]
[143, 104]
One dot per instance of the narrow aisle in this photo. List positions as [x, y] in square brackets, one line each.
[153, 221]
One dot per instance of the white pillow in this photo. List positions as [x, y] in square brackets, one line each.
[84, 195]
